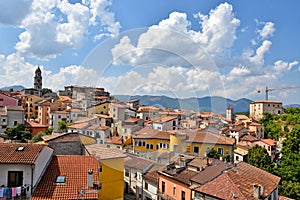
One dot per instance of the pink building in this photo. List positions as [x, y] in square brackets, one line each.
[7, 101]
[269, 145]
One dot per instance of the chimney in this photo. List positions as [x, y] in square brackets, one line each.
[256, 191]
[90, 178]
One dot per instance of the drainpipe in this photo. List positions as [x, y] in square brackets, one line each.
[31, 189]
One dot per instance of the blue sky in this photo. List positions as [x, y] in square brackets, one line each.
[176, 48]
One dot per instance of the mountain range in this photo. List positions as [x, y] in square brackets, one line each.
[214, 104]
[13, 88]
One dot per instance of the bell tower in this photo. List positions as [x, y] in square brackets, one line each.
[38, 80]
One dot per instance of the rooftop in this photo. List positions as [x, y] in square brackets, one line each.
[19, 153]
[75, 170]
[104, 153]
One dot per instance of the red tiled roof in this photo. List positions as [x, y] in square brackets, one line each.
[269, 142]
[210, 138]
[223, 188]
[34, 124]
[241, 179]
[115, 140]
[164, 119]
[249, 138]
[104, 153]
[210, 172]
[155, 135]
[137, 163]
[10, 154]
[183, 176]
[266, 101]
[75, 169]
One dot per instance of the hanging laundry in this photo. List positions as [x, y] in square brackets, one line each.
[19, 191]
[1, 192]
[14, 192]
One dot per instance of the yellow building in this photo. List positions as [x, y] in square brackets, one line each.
[202, 142]
[31, 106]
[111, 173]
[101, 108]
[183, 141]
[150, 140]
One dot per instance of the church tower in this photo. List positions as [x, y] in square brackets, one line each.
[38, 80]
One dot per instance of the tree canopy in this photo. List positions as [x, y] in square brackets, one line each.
[260, 158]
[18, 132]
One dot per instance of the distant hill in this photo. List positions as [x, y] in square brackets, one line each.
[292, 106]
[215, 104]
[14, 87]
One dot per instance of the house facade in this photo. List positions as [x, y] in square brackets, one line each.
[22, 165]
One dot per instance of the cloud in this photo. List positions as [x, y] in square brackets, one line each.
[258, 58]
[267, 30]
[71, 75]
[161, 42]
[52, 27]
[16, 71]
[99, 12]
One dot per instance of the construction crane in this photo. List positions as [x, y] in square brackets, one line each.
[267, 90]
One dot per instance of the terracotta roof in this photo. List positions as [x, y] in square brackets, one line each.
[79, 125]
[210, 172]
[269, 142]
[209, 138]
[9, 153]
[137, 163]
[248, 138]
[104, 153]
[266, 101]
[34, 124]
[245, 175]
[48, 138]
[132, 120]
[155, 135]
[103, 116]
[148, 109]
[164, 119]
[242, 117]
[284, 198]
[255, 124]
[75, 169]
[242, 178]
[223, 188]
[145, 131]
[183, 176]
[115, 140]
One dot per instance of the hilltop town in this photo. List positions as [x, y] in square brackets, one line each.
[81, 143]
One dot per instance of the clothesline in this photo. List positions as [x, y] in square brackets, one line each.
[13, 192]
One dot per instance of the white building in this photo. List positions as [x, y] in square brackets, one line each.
[258, 108]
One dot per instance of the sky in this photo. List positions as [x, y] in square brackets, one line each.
[180, 49]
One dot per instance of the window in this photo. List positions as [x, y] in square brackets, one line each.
[157, 146]
[163, 187]
[174, 191]
[146, 185]
[221, 151]
[126, 172]
[182, 195]
[196, 149]
[15, 178]
[3, 120]
[15, 123]
[60, 179]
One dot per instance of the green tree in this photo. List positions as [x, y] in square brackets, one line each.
[289, 167]
[62, 125]
[38, 137]
[212, 153]
[49, 131]
[260, 158]
[46, 90]
[18, 132]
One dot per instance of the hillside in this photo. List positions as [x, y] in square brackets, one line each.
[214, 104]
[14, 88]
